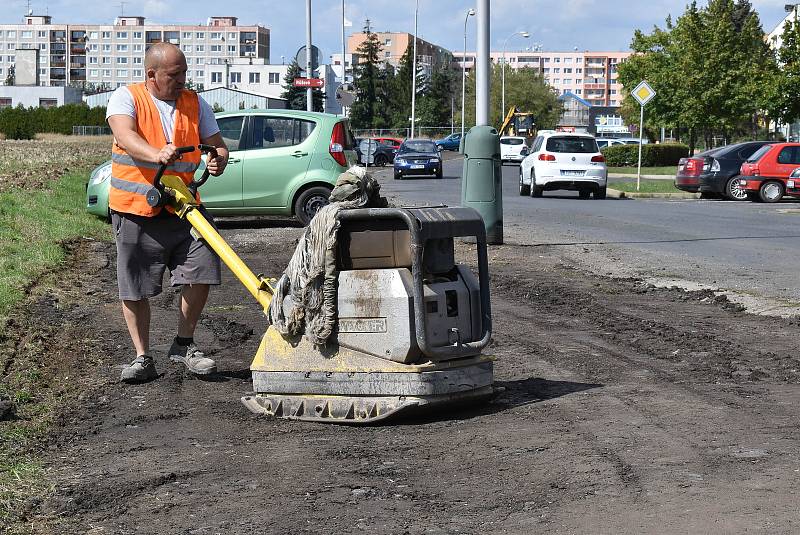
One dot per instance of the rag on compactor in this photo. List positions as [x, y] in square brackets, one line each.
[411, 322]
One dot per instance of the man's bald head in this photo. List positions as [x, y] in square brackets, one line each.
[165, 66]
[160, 54]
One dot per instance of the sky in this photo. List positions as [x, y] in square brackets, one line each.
[598, 25]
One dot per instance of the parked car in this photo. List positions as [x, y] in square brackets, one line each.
[632, 140]
[282, 162]
[393, 142]
[378, 153]
[608, 142]
[513, 149]
[564, 161]
[451, 142]
[417, 157]
[716, 172]
[766, 175]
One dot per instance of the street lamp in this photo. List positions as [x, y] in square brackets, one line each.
[414, 77]
[503, 105]
[469, 14]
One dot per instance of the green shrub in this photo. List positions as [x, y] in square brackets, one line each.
[24, 123]
[652, 155]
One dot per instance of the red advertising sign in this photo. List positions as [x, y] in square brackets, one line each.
[308, 82]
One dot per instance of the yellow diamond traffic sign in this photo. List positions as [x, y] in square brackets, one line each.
[643, 93]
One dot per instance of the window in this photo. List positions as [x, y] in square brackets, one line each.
[11, 34]
[122, 48]
[106, 60]
[200, 35]
[105, 35]
[578, 91]
[122, 35]
[571, 144]
[232, 49]
[186, 48]
[567, 70]
[42, 60]
[93, 47]
[200, 74]
[93, 35]
[231, 130]
[789, 155]
[216, 77]
[556, 70]
[232, 35]
[11, 46]
[41, 33]
[93, 60]
[48, 103]
[386, 54]
[200, 48]
[274, 78]
[137, 60]
[107, 73]
[567, 60]
[106, 48]
[26, 34]
[386, 42]
[137, 35]
[556, 60]
[42, 46]
[122, 61]
[236, 78]
[122, 73]
[94, 72]
[188, 61]
[216, 35]
[137, 48]
[187, 35]
[255, 78]
[5, 102]
[137, 73]
[10, 59]
[556, 80]
[272, 132]
[216, 48]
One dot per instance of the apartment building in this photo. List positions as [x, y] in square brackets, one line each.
[113, 55]
[592, 76]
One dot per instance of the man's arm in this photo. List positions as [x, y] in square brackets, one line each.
[126, 136]
[216, 166]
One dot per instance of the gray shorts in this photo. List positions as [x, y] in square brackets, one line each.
[146, 246]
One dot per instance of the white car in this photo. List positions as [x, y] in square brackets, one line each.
[564, 161]
[512, 149]
[607, 142]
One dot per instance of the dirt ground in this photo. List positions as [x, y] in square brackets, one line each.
[627, 409]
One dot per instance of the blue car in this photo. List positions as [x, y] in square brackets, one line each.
[451, 142]
[417, 157]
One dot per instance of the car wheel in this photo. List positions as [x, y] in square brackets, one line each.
[381, 160]
[524, 189]
[309, 202]
[734, 191]
[600, 193]
[439, 173]
[770, 191]
[397, 176]
[584, 194]
[536, 191]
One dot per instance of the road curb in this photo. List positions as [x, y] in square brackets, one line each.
[617, 194]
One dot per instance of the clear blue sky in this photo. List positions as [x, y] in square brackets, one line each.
[557, 25]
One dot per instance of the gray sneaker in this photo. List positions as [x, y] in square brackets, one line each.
[141, 370]
[195, 361]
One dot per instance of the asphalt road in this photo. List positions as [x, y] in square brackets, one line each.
[743, 248]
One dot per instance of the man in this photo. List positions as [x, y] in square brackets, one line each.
[149, 121]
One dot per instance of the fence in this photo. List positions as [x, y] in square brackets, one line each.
[430, 132]
[91, 131]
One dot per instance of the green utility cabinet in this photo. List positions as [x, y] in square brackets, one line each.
[482, 179]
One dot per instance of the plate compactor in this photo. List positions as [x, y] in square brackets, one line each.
[411, 322]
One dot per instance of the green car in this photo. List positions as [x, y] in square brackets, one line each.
[282, 162]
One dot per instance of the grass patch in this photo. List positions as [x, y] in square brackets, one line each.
[670, 170]
[33, 224]
[646, 186]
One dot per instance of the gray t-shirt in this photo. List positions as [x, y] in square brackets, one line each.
[121, 103]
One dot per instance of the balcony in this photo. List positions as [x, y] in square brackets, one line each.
[589, 86]
[58, 64]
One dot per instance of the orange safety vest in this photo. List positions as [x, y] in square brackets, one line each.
[132, 178]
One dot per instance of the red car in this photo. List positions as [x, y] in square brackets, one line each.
[765, 176]
[393, 142]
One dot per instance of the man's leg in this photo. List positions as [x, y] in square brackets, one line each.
[137, 317]
[184, 350]
[193, 300]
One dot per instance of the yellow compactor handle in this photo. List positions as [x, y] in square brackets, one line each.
[181, 199]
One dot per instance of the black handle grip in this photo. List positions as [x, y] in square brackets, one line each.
[163, 167]
[212, 153]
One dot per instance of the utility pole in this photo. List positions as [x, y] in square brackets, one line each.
[482, 66]
[414, 74]
[309, 73]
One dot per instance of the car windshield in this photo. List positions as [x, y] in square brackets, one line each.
[572, 144]
[759, 153]
[419, 146]
[511, 141]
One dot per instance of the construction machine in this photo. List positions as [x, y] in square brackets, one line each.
[517, 123]
[411, 321]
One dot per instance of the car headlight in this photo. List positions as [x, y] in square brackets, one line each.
[100, 174]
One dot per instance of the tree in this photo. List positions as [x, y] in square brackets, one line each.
[785, 103]
[525, 88]
[436, 106]
[296, 96]
[11, 77]
[366, 80]
[399, 103]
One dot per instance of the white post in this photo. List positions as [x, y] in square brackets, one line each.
[414, 76]
[482, 65]
[641, 133]
[464, 70]
[344, 61]
[309, 91]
